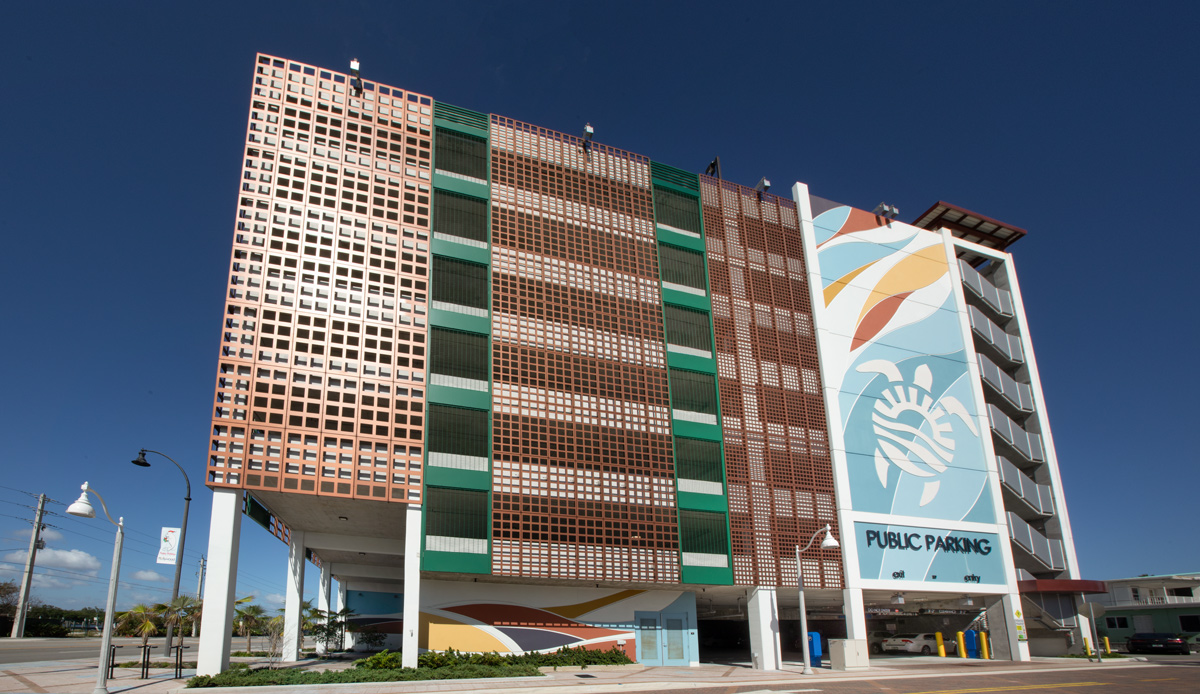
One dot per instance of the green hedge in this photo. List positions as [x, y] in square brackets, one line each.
[253, 678]
[448, 665]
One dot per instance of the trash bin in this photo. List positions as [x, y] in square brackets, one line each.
[971, 637]
[814, 648]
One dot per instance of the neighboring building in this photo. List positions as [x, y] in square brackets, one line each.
[1164, 604]
[528, 391]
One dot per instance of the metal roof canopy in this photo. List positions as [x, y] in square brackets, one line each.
[970, 226]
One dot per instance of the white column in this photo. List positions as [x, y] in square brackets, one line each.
[216, 623]
[763, 608]
[323, 595]
[856, 614]
[292, 635]
[412, 586]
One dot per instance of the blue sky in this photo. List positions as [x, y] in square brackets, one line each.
[123, 124]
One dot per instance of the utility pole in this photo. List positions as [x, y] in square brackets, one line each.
[199, 590]
[35, 543]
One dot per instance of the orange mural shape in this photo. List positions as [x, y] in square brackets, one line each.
[857, 220]
[876, 318]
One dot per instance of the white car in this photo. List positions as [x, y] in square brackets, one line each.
[925, 644]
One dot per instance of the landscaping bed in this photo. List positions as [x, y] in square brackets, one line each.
[448, 665]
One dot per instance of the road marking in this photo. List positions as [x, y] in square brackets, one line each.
[1012, 688]
[1162, 679]
[32, 687]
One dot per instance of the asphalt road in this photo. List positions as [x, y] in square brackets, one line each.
[1179, 677]
[34, 650]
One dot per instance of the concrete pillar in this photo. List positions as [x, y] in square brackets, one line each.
[763, 611]
[1001, 619]
[856, 613]
[412, 586]
[292, 622]
[323, 596]
[216, 624]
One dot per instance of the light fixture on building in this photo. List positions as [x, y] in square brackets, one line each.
[885, 210]
[343, 518]
[588, 133]
[967, 601]
[356, 82]
[898, 599]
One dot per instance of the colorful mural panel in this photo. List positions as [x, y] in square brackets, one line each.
[892, 346]
[519, 618]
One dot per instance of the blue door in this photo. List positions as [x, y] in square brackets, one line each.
[662, 638]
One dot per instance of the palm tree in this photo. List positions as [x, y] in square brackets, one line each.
[248, 618]
[143, 619]
[178, 612]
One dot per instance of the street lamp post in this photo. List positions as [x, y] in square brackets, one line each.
[830, 542]
[140, 461]
[83, 508]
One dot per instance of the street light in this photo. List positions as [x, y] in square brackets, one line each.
[141, 461]
[83, 508]
[830, 542]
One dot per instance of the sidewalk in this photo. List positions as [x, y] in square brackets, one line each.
[74, 676]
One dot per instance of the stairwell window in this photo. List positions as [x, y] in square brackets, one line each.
[456, 513]
[461, 154]
[460, 216]
[676, 210]
[688, 328]
[682, 269]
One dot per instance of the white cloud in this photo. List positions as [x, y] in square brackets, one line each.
[273, 600]
[148, 576]
[69, 559]
[49, 534]
[52, 582]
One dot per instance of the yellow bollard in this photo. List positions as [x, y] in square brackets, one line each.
[1087, 647]
[984, 651]
[941, 644]
[962, 645]
[1107, 647]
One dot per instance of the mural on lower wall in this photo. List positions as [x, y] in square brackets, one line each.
[516, 618]
[381, 611]
[486, 617]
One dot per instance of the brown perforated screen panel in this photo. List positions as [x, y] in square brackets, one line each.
[583, 483]
[780, 476]
[321, 376]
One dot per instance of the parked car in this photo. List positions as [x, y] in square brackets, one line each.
[875, 640]
[1149, 642]
[925, 644]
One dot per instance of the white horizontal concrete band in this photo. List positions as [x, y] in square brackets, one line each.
[716, 561]
[462, 545]
[458, 462]
[701, 487]
[458, 382]
[698, 417]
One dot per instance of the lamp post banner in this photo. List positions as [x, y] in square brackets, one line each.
[169, 545]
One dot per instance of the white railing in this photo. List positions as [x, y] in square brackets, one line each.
[1110, 601]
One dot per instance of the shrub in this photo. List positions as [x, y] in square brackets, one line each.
[382, 660]
[46, 629]
[251, 678]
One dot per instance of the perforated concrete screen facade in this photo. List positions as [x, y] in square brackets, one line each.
[321, 379]
[616, 397]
